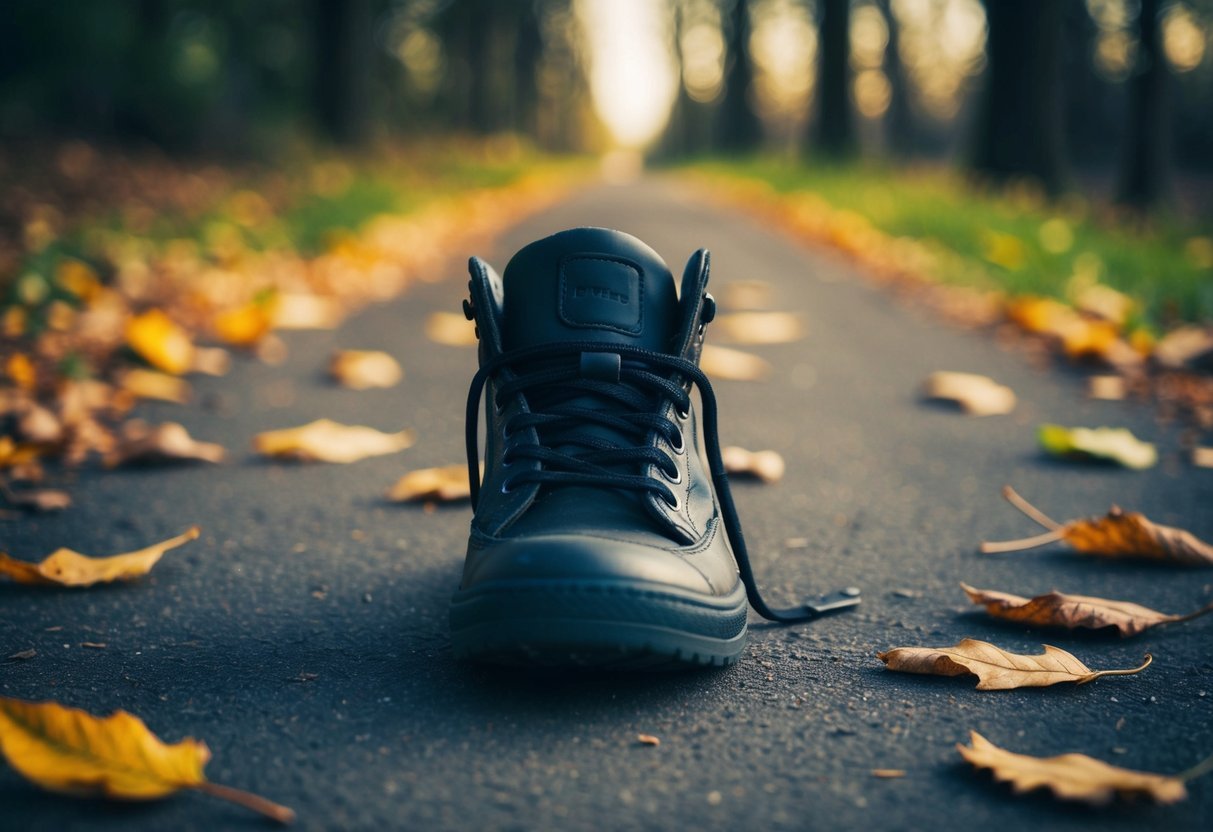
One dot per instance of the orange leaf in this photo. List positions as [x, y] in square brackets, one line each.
[63, 567]
[446, 484]
[160, 342]
[327, 441]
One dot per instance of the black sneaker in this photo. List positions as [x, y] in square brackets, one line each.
[604, 533]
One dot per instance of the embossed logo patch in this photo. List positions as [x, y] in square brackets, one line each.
[603, 292]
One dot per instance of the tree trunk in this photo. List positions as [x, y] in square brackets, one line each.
[344, 43]
[834, 131]
[898, 120]
[1020, 129]
[1145, 177]
[740, 129]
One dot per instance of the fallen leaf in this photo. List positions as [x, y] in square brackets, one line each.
[327, 441]
[94, 645]
[160, 342]
[141, 443]
[446, 484]
[995, 668]
[36, 499]
[1070, 776]
[63, 567]
[1117, 534]
[1106, 303]
[363, 369]
[759, 327]
[299, 310]
[38, 425]
[246, 325]
[22, 655]
[149, 384]
[648, 739]
[746, 295]
[1202, 457]
[888, 773]
[451, 329]
[1106, 388]
[1117, 445]
[1056, 609]
[767, 466]
[68, 750]
[211, 361]
[1183, 346]
[732, 365]
[975, 394]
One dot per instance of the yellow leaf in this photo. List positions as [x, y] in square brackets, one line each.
[160, 342]
[327, 441]
[298, 310]
[1117, 445]
[1115, 535]
[759, 327]
[732, 365]
[451, 329]
[68, 750]
[21, 371]
[767, 466]
[13, 454]
[63, 567]
[446, 484]
[167, 442]
[149, 384]
[975, 394]
[363, 369]
[1057, 609]
[995, 668]
[245, 325]
[1070, 776]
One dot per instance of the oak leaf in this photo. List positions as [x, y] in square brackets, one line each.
[1118, 534]
[168, 442]
[64, 567]
[995, 668]
[975, 394]
[363, 369]
[69, 750]
[759, 327]
[1116, 445]
[451, 329]
[1070, 776]
[445, 484]
[1057, 609]
[767, 466]
[327, 441]
[733, 365]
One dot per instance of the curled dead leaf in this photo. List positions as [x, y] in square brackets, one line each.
[759, 327]
[451, 329]
[995, 668]
[975, 394]
[68, 750]
[733, 365]
[327, 441]
[1117, 534]
[767, 466]
[1116, 445]
[1056, 609]
[364, 369]
[140, 443]
[446, 484]
[1070, 776]
[63, 567]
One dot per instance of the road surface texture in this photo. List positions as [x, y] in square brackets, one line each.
[304, 635]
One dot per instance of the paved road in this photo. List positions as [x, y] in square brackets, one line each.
[304, 635]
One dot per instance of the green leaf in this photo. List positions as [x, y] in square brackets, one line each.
[1117, 445]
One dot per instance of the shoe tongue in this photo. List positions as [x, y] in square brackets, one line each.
[589, 284]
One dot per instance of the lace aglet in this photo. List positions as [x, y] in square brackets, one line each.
[843, 599]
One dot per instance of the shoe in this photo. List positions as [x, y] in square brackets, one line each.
[604, 533]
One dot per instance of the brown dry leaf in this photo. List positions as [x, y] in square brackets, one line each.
[1202, 457]
[327, 441]
[733, 365]
[451, 329]
[975, 394]
[363, 369]
[168, 442]
[746, 295]
[1106, 388]
[446, 484]
[648, 739]
[211, 361]
[68, 750]
[63, 567]
[759, 327]
[160, 342]
[149, 384]
[38, 425]
[767, 466]
[1118, 534]
[888, 773]
[1183, 346]
[36, 499]
[1070, 776]
[995, 668]
[1056, 609]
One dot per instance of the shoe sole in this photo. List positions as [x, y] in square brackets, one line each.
[604, 625]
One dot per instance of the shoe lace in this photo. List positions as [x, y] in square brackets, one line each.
[634, 387]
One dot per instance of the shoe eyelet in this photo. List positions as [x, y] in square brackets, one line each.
[681, 446]
[506, 488]
[674, 506]
[683, 415]
[674, 480]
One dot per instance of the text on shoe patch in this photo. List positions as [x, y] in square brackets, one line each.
[602, 292]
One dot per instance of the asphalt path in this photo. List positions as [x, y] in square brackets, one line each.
[304, 635]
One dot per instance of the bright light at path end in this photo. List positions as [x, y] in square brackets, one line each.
[632, 74]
